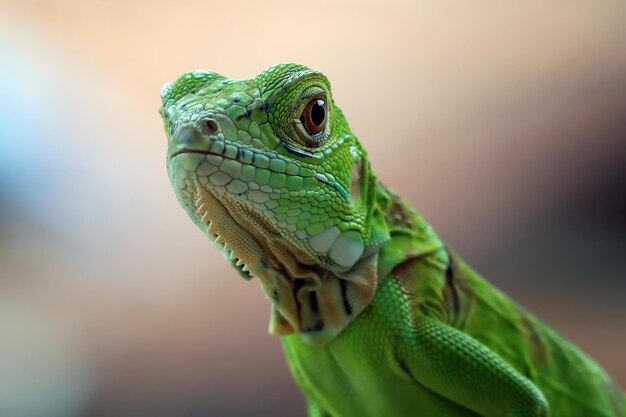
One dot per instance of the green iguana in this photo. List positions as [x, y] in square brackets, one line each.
[377, 317]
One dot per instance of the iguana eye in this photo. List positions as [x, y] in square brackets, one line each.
[313, 116]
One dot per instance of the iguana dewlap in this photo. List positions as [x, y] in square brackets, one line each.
[377, 317]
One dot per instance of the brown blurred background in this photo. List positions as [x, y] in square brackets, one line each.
[504, 124]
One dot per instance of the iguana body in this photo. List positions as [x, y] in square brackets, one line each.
[377, 317]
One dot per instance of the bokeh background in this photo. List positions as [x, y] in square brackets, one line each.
[504, 123]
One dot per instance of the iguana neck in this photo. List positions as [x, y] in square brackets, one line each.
[322, 313]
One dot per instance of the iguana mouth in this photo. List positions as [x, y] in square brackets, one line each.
[192, 151]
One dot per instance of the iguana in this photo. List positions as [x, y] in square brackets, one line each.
[378, 318]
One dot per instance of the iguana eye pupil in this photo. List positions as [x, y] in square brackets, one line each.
[314, 116]
[318, 114]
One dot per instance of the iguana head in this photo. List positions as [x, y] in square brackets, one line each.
[269, 168]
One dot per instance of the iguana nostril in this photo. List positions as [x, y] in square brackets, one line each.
[209, 126]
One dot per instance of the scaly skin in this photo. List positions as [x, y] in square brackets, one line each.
[376, 316]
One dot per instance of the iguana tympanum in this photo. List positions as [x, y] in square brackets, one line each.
[377, 317]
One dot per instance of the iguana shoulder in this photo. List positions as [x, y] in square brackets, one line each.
[442, 286]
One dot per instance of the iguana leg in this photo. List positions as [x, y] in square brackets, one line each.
[458, 367]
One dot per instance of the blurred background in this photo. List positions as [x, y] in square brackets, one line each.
[503, 123]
